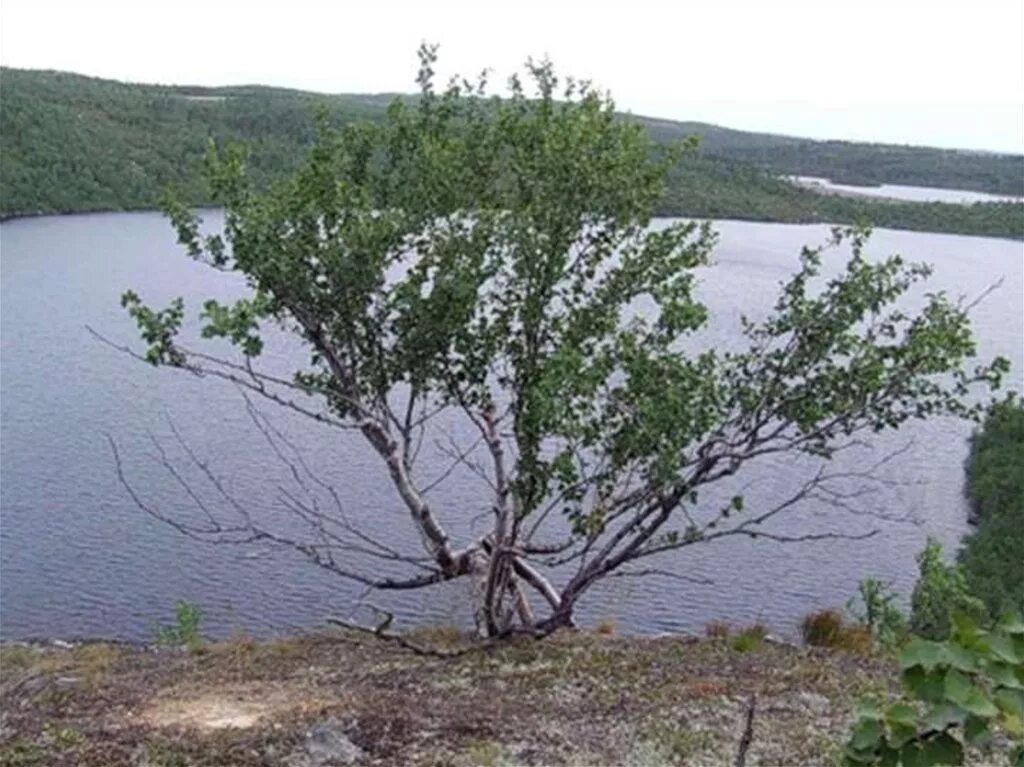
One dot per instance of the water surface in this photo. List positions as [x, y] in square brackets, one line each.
[78, 558]
[900, 192]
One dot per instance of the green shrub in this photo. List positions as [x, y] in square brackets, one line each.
[750, 638]
[878, 613]
[185, 631]
[940, 592]
[991, 556]
[956, 693]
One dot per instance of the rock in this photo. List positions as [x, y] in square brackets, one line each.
[326, 745]
[816, 704]
[7, 731]
[67, 682]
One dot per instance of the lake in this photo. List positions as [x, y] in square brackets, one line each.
[899, 192]
[78, 558]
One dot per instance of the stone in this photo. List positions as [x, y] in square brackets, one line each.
[326, 745]
[816, 704]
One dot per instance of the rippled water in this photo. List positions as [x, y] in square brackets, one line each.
[77, 558]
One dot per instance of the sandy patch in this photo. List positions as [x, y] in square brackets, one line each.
[240, 707]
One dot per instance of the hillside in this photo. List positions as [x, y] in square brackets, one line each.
[74, 143]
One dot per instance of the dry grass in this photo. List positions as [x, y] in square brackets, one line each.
[606, 627]
[717, 630]
[828, 628]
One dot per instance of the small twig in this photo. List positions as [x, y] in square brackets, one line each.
[748, 732]
[381, 632]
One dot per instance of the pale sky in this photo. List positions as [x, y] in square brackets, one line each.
[932, 72]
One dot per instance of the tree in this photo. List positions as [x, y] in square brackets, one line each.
[483, 259]
[992, 552]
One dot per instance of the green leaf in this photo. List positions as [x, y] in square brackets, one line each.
[1005, 648]
[912, 755]
[901, 713]
[1010, 702]
[867, 733]
[889, 757]
[943, 749]
[1012, 623]
[960, 657]
[901, 733]
[868, 708]
[860, 756]
[1005, 675]
[944, 715]
[929, 686]
[923, 653]
[964, 693]
[976, 729]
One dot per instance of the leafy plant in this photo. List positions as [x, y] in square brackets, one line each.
[940, 592]
[877, 611]
[957, 692]
[185, 630]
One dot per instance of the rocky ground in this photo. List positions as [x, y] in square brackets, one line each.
[339, 698]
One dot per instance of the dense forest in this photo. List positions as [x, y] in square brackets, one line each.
[74, 143]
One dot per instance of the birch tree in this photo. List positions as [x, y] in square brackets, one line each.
[481, 258]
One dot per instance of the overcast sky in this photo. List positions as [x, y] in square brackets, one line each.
[938, 73]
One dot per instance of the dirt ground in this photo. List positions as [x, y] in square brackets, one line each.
[575, 699]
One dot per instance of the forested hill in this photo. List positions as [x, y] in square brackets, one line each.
[75, 143]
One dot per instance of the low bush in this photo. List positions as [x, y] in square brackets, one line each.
[185, 630]
[941, 591]
[957, 693]
[875, 609]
